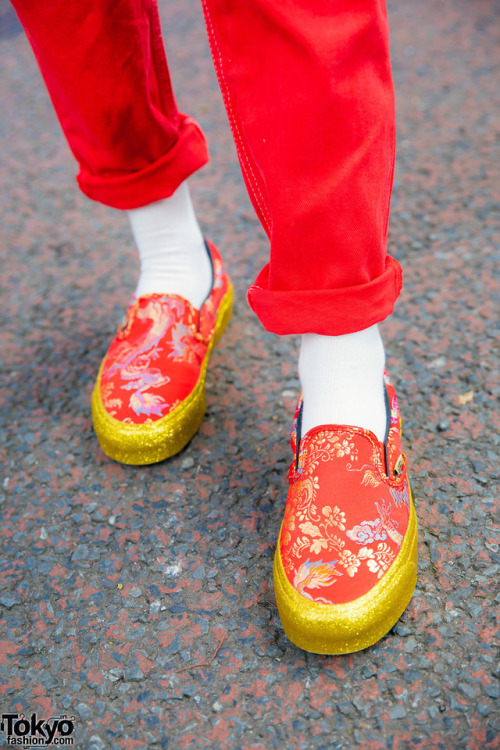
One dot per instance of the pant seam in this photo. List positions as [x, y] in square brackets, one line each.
[247, 167]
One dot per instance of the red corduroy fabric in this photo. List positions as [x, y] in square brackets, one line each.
[308, 89]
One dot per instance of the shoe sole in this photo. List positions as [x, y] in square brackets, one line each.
[144, 444]
[353, 626]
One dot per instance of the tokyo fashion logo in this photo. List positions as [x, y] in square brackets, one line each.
[35, 732]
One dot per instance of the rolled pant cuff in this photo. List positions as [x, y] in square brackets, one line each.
[330, 312]
[158, 180]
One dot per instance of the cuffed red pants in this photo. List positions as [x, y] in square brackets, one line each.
[308, 90]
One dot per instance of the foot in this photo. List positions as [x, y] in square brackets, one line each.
[342, 380]
[171, 249]
[346, 561]
[149, 398]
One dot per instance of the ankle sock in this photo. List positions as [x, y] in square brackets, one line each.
[342, 380]
[172, 251]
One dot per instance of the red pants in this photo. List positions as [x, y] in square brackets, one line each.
[308, 91]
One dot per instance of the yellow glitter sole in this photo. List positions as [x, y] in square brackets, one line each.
[149, 443]
[345, 628]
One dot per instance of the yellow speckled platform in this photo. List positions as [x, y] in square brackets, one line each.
[344, 628]
[150, 443]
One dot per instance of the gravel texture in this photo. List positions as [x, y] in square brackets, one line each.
[140, 600]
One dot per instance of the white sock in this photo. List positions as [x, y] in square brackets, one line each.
[342, 380]
[174, 259]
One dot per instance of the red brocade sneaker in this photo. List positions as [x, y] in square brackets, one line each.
[149, 398]
[345, 566]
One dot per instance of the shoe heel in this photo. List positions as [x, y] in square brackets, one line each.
[225, 312]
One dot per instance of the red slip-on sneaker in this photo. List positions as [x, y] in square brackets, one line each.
[345, 566]
[149, 398]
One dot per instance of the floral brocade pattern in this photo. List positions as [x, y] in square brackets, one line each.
[155, 359]
[345, 518]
